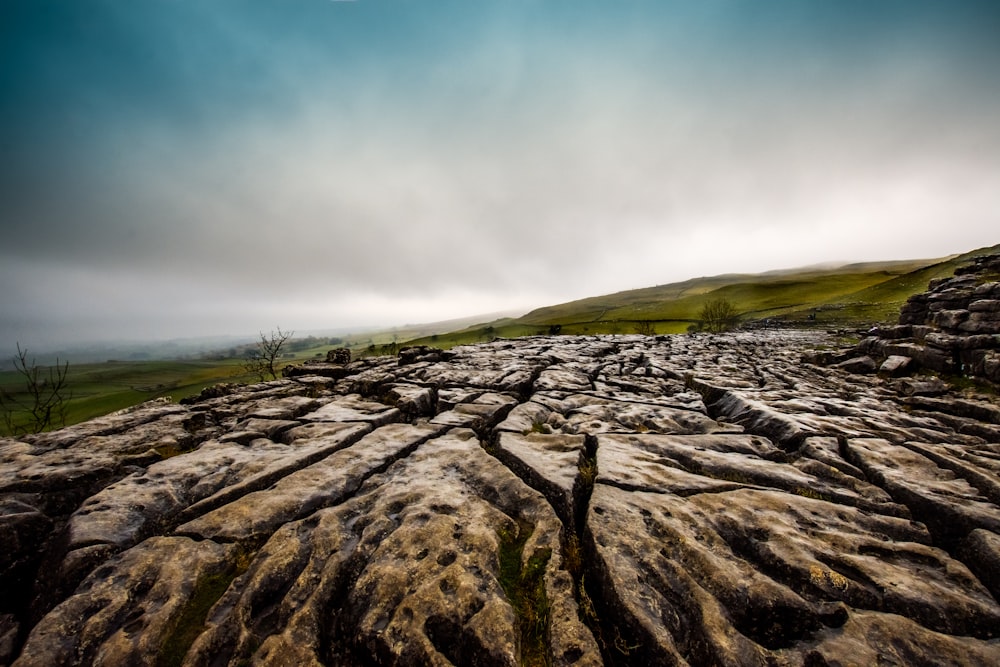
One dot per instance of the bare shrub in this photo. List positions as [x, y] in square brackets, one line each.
[42, 404]
[719, 315]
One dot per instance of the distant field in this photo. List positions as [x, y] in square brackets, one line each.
[100, 388]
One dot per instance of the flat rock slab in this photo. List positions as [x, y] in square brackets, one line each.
[186, 485]
[328, 482]
[947, 503]
[586, 413]
[525, 418]
[562, 379]
[735, 577]
[353, 408]
[549, 463]
[128, 612]
[736, 459]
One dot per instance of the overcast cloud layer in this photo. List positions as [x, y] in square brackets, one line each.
[183, 168]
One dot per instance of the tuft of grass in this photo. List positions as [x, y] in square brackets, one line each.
[988, 277]
[810, 493]
[538, 427]
[572, 554]
[170, 450]
[967, 385]
[588, 471]
[523, 583]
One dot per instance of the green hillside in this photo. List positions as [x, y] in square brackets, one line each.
[845, 296]
[881, 302]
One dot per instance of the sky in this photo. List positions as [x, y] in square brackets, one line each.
[181, 168]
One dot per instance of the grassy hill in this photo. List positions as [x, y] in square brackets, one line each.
[845, 296]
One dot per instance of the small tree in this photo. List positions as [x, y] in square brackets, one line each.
[719, 315]
[260, 360]
[644, 328]
[44, 397]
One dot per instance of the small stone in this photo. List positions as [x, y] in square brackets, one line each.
[895, 366]
[858, 365]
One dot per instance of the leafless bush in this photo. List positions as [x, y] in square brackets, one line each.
[260, 361]
[719, 315]
[42, 404]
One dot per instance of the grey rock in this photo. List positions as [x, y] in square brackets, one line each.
[9, 631]
[860, 365]
[566, 500]
[327, 370]
[985, 306]
[550, 464]
[327, 482]
[404, 573]
[127, 612]
[413, 400]
[354, 408]
[953, 328]
[988, 290]
[914, 387]
[950, 319]
[754, 416]
[949, 505]
[895, 365]
[341, 355]
[981, 551]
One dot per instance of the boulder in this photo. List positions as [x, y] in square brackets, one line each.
[341, 355]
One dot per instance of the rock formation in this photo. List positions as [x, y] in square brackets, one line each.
[702, 500]
[952, 328]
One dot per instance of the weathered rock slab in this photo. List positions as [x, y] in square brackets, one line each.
[564, 500]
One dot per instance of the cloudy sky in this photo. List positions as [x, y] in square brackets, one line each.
[190, 167]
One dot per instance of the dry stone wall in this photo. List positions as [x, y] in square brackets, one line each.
[701, 500]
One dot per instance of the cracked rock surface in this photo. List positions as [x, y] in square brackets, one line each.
[672, 500]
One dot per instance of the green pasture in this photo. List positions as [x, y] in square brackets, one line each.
[99, 388]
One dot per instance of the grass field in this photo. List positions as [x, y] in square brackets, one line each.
[99, 388]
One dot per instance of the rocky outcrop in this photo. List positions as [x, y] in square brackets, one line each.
[703, 500]
[952, 328]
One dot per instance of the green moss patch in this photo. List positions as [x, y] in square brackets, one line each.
[191, 623]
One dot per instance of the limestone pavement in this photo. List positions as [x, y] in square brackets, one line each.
[700, 499]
